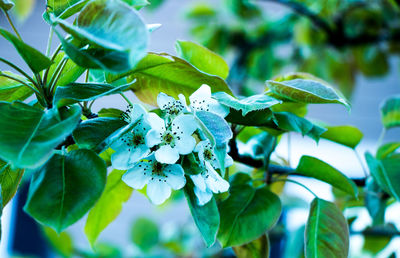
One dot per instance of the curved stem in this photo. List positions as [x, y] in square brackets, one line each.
[361, 163]
[57, 74]
[46, 73]
[20, 81]
[12, 24]
[295, 182]
[19, 70]
[127, 100]
[381, 137]
[51, 33]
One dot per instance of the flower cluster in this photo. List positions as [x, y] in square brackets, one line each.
[153, 149]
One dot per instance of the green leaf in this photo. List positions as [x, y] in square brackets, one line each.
[124, 36]
[387, 149]
[246, 105]
[205, 217]
[346, 135]
[390, 112]
[58, 7]
[375, 202]
[315, 168]
[163, 73]
[11, 90]
[375, 244]
[202, 58]
[306, 91]
[327, 232]
[33, 58]
[23, 9]
[62, 243]
[137, 4]
[28, 135]
[9, 181]
[6, 5]
[65, 188]
[386, 173]
[145, 234]
[258, 248]
[91, 133]
[108, 206]
[245, 207]
[110, 112]
[78, 92]
[254, 118]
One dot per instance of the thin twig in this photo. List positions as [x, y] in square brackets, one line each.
[12, 24]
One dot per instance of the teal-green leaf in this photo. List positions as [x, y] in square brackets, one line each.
[78, 92]
[110, 27]
[390, 112]
[306, 91]
[108, 206]
[65, 188]
[145, 234]
[375, 201]
[327, 232]
[246, 105]
[9, 181]
[32, 57]
[28, 135]
[163, 73]
[202, 58]
[315, 168]
[254, 118]
[346, 135]
[11, 90]
[91, 133]
[6, 5]
[205, 217]
[247, 214]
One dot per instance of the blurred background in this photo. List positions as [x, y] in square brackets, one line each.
[353, 44]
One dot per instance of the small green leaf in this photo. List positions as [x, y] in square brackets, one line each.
[163, 73]
[346, 135]
[108, 206]
[6, 5]
[246, 105]
[375, 244]
[387, 149]
[306, 91]
[145, 234]
[78, 92]
[28, 135]
[327, 232]
[9, 181]
[258, 248]
[202, 58]
[62, 243]
[390, 112]
[91, 133]
[315, 168]
[245, 207]
[124, 37]
[11, 90]
[65, 188]
[57, 7]
[205, 217]
[33, 58]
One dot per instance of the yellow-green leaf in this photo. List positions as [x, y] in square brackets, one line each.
[390, 112]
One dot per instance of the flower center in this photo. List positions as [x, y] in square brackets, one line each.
[174, 108]
[168, 138]
[137, 139]
[157, 168]
[208, 155]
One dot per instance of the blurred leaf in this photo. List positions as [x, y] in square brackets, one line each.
[163, 73]
[327, 232]
[375, 202]
[9, 182]
[145, 234]
[371, 60]
[346, 135]
[390, 112]
[6, 5]
[247, 133]
[201, 11]
[62, 243]
[245, 207]
[28, 135]
[387, 149]
[202, 58]
[108, 207]
[78, 92]
[246, 105]
[375, 244]
[11, 90]
[64, 189]
[33, 58]
[306, 91]
[299, 109]
[258, 248]
[294, 247]
[23, 9]
[137, 4]
[205, 217]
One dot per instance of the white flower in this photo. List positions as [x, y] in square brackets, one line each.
[206, 155]
[201, 100]
[160, 178]
[131, 147]
[173, 138]
[208, 182]
[172, 107]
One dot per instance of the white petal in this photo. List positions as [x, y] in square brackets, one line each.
[156, 122]
[214, 181]
[217, 108]
[167, 154]
[202, 93]
[158, 191]
[126, 158]
[185, 144]
[137, 112]
[153, 137]
[137, 177]
[228, 161]
[199, 182]
[203, 197]
[184, 124]
[164, 101]
[176, 177]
